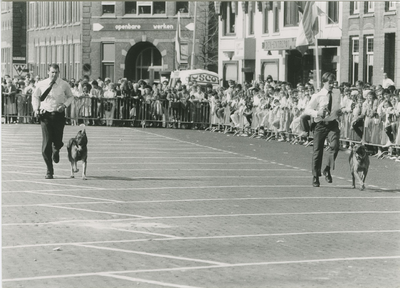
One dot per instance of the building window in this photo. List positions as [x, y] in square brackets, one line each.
[108, 7]
[354, 7]
[150, 8]
[77, 57]
[230, 20]
[276, 19]
[369, 58]
[251, 22]
[108, 60]
[390, 6]
[265, 20]
[333, 12]
[182, 6]
[369, 7]
[147, 58]
[231, 71]
[355, 58]
[291, 14]
[130, 7]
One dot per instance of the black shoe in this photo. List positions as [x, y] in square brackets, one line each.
[48, 176]
[315, 182]
[56, 156]
[327, 174]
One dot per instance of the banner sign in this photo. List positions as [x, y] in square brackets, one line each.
[133, 27]
[279, 44]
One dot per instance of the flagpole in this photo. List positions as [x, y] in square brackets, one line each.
[317, 64]
[194, 36]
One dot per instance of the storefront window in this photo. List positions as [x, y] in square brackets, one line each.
[231, 72]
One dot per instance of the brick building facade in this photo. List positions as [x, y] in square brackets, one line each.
[370, 40]
[13, 38]
[111, 38]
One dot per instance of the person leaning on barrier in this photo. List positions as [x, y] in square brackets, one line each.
[50, 99]
[319, 107]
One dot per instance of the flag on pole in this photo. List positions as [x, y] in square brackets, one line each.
[308, 26]
[178, 42]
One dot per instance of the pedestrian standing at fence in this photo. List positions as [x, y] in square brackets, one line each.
[49, 100]
[109, 104]
[28, 91]
[319, 107]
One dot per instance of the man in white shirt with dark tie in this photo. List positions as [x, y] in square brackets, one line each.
[49, 100]
[324, 107]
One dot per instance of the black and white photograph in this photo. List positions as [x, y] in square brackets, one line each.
[200, 144]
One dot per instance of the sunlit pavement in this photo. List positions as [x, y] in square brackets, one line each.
[188, 208]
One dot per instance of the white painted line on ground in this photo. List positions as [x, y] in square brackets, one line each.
[151, 254]
[270, 214]
[106, 200]
[51, 182]
[172, 187]
[206, 216]
[93, 211]
[228, 152]
[197, 200]
[142, 232]
[344, 259]
[173, 238]
[132, 279]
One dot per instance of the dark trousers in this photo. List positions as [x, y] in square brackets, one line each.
[52, 134]
[331, 132]
[304, 124]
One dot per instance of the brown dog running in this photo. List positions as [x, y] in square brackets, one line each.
[77, 150]
[359, 164]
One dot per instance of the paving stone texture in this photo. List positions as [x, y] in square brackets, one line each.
[188, 208]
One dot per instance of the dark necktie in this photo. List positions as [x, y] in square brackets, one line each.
[44, 95]
[330, 101]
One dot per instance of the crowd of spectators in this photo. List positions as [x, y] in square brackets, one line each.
[271, 110]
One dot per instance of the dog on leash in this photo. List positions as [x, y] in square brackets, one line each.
[359, 164]
[77, 151]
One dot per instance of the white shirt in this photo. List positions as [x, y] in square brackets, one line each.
[318, 100]
[387, 82]
[59, 94]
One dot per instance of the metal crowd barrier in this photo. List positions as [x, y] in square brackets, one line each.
[163, 113]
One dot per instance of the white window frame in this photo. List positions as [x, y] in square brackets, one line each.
[356, 7]
[370, 54]
[107, 3]
[356, 55]
[371, 6]
[392, 5]
[148, 4]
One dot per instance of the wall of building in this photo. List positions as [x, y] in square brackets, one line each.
[375, 24]
[273, 50]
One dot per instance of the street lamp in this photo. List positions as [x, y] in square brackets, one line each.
[229, 54]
